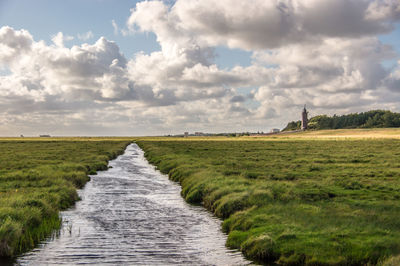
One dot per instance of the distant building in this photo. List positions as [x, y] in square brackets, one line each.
[304, 119]
[186, 134]
[275, 130]
[22, 136]
[44, 136]
[198, 133]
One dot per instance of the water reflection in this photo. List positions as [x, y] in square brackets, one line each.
[131, 214]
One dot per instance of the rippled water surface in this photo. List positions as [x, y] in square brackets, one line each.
[131, 214]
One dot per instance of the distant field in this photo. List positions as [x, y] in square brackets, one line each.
[295, 201]
[346, 133]
[47, 139]
[39, 177]
[376, 133]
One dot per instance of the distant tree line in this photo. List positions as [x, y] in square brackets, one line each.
[370, 119]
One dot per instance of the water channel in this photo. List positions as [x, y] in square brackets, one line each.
[132, 214]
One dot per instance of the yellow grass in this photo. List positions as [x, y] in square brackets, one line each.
[391, 133]
[339, 134]
[376, 133]
[392, 261]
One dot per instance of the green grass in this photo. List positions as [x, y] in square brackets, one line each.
[39, 178]
[294, 202]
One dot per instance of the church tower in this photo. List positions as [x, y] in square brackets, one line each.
[304, 119]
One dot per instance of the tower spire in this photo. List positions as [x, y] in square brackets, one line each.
[304, 119]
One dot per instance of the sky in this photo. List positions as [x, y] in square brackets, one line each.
[129, 68]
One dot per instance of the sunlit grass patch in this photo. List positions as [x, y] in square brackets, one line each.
[295, 201]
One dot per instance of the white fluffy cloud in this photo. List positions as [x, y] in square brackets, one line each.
[39, 70]
[13, 43]
[262, 24]
[59, 39]
[325, 54]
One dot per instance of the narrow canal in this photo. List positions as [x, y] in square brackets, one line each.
[131, 214]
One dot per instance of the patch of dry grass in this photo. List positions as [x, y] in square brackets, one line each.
[376, 133]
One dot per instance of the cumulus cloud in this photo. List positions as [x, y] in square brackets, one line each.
[383, 10]
[325, 54]
[340, 64]
[392, 81]
[336, 76]
[13, 43]
[263, 24]
[39, 70]
[53, 79]
[59, 39]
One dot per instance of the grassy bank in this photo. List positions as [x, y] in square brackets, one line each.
[295, 201]
[38, 178]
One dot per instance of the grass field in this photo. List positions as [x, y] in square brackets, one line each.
[39, 177]
[296, 200]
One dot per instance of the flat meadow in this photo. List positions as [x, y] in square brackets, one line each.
[327, 197]
[294, 200]
[38, 178]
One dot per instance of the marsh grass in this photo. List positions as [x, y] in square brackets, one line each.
[38, 179]
[294, 202]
